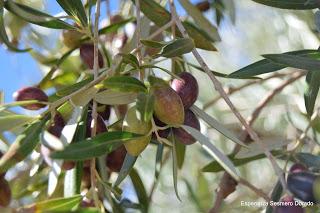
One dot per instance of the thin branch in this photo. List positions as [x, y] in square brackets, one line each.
[243, 136]
[231, 91]
[219, 88]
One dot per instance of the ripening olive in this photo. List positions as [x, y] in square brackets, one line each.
[87, 55]
[301, 185]
[71, 38]
[168, 106]
[115, 159]
[131, 123]
[31, 93]
[5, 192]
[288, 206]
[187, 88]
[190, 119]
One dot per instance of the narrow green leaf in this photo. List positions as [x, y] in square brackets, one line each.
[312, 90]
[130, 59]
[83, 98]
[177, 47]
[223, 160]
[180, 153]
[140, 190]
[24, 144]
[3, 34]
[290, 4]
[111, 97]
[214, 166]
[127, 166]
[200, 19]
[153, 44]
[115, 26]
[216, 125]
[101, 144]
[57, 204]
[13, 121]
[160, 16]
[145, 104]
[35, 16]
[124, 84]
[294, 61]
[75, 8]
[275, 196]
[175, 166]
[159, 156]
[267, 66]
[72, 88]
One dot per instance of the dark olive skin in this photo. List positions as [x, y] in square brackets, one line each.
[31, 93]
[104, 111]
[190, 119]
[300, 184]
[187, 89]
[297, 167]
[101, 126]
[203, 6]
[289, 206]
[161, 133]
[57, 125]
[115, 159]
[5, 193]
[87, 55]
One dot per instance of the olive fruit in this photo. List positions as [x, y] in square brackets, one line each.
[57, 125]
[5, 193]
[161, 133]
[203, 6]
[101, 126]
[131, 123]
[71, 38]
[31, 93]
[297, 167]
[116, 18]
[67, 165]
[190, 119]
[302, 185]
[87, 55]
[104, 111]
[288, 206]
[187, 88]
[115, 159]
[168, 106]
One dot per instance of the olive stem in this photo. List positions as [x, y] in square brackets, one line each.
[218, 86]
[155, 129]
[94, 104]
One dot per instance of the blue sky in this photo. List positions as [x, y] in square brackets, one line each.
[20, 69]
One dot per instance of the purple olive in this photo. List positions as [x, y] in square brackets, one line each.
[288, 206]
[31, 93]
[101, 126]
[87, 55]
[203, 6]
[115, 159]
[187, 89]
[190, 119]
[297, 167]
[57, 125]
[161, 133]
[301, 185]
[5, 193]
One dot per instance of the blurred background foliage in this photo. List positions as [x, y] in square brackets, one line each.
[247, 30]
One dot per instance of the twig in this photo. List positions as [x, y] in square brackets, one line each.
[94, 104]
[243, 136]
[138, 37]
[230, 91]
[219, 88]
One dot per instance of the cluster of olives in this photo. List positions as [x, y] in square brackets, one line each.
[171, 108]
[304, 185]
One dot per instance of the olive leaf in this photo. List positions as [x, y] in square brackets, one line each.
[127, 166]
[75, 8]
[145, 104]
[177, 47]
[124, 84]
[111, 97]
[312, 90]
